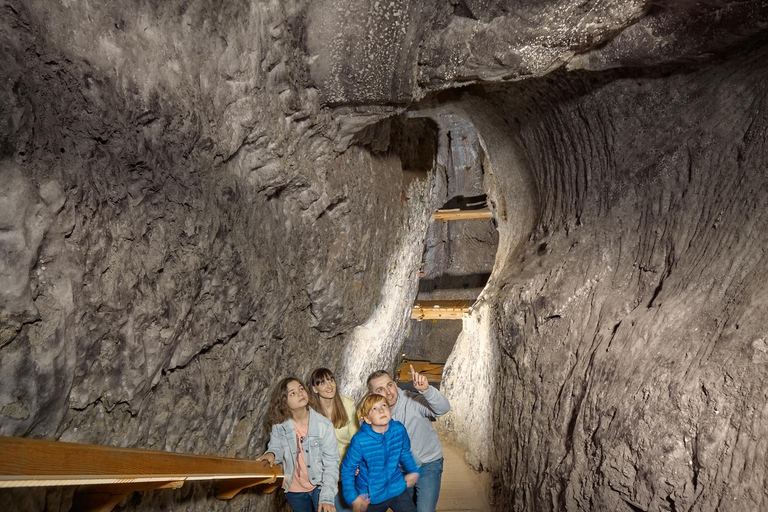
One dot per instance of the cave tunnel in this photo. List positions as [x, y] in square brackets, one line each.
[200, 198]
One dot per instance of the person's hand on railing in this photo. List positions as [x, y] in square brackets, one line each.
[420, 382]
[268, 457]
[326, 507]
[411, 479]
[361, 503]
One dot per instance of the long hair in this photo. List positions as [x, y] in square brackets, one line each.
[338, 416]
[278, 404]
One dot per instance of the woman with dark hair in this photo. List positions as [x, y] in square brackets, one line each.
[340, 409]
[304, 442]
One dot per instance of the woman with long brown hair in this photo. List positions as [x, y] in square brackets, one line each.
[326, 399]
[304, 442]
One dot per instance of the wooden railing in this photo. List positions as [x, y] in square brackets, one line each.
[457, 214]
[105, 475]
[441, 309]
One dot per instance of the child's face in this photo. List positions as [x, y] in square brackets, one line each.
[379, 415]
[296, 396]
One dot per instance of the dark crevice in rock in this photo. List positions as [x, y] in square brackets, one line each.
[340, 202]
[670, 259]
[632, 506]
[124, 405]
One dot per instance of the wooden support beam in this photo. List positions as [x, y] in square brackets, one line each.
[441, 309]
[432, 371]
[109, 474]
[227, 489]
[457, 214]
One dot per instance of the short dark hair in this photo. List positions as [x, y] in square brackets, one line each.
[376, 375]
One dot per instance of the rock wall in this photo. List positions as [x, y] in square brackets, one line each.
[198, 198]
[631, 371]
[391, 53]
[178, 230]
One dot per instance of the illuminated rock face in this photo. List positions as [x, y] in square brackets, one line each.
[631, 370]
[177, 230]
[198, 200]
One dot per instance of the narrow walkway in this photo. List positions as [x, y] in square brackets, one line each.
[462, 490]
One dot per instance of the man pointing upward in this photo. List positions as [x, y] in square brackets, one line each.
[415, 411]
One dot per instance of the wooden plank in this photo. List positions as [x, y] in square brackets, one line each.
[441, 309]
[432, 371]
[457, 214]
[444, 303]
[227, 489]
[37, 463]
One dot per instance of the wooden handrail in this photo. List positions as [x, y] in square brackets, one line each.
[441, 309]
[108, 474]
[457, 214]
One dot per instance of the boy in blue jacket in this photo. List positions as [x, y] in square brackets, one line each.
[378, 449]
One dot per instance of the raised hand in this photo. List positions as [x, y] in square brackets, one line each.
[419, 381]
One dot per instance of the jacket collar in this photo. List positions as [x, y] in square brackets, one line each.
[368, 430]
[313, 424]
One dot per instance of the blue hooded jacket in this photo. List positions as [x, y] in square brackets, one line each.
[379, 457]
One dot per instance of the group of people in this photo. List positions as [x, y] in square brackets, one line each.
[386, 454]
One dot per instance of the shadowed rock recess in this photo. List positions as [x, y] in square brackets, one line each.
[197, 198]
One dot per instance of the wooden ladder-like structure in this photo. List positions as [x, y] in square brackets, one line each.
[105, 475]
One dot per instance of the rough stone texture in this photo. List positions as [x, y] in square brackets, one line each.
[391, 52]
[376, 344]
[677, 32]
[458, 256]
[177, 229]
[632, 369]
[470, 383]
[430, 340]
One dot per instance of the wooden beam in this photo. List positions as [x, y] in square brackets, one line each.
[227, 489]
[457, 214]
[120, 471]
[441, 309]
[432, 371]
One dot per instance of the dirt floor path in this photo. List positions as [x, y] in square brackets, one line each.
[463, 489]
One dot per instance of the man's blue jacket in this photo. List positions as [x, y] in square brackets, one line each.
[379, 457]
